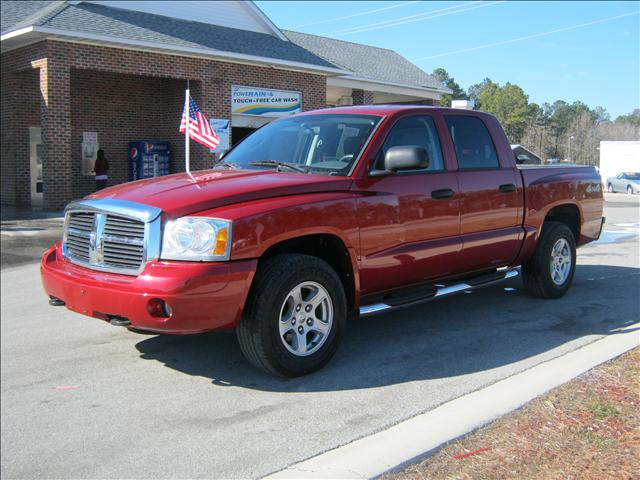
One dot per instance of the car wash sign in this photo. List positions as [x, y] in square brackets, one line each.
[264, 102]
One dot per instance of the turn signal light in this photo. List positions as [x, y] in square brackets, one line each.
[221, 241]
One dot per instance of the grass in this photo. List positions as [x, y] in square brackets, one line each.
[587, 429]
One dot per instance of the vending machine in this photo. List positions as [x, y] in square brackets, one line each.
[149, 158]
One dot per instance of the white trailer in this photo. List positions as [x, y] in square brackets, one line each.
[618, 157]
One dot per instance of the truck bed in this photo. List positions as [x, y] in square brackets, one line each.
[548, 186]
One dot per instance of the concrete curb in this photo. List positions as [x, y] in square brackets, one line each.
[412, 439]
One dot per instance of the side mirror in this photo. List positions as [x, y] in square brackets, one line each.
[403, 157]
[406, 157]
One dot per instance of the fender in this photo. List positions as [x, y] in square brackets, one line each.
[261, 224]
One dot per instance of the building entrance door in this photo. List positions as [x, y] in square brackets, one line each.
[35, 158]
[239, 133]
[243, 125]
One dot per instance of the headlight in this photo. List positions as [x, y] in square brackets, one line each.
[198, 239]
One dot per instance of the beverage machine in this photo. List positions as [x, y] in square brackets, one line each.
[149, 158]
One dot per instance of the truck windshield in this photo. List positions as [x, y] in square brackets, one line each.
[325, 144]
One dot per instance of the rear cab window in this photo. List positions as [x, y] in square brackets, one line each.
[473, 143]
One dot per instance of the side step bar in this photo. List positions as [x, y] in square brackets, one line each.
[441, 291]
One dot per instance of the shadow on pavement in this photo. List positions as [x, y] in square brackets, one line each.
[456, 336]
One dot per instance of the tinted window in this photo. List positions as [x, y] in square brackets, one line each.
[419, 131]
[474, 146]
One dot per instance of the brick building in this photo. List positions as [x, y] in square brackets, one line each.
[119, 71]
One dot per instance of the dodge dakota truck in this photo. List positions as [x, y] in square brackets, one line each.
[318, 218]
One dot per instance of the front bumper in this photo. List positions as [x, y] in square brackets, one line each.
[202, 296]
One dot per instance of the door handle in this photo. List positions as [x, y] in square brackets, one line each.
[442, 193]
[507, 188]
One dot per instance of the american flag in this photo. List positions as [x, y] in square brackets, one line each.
[199, 128]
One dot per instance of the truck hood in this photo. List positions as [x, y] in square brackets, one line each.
[183, 194]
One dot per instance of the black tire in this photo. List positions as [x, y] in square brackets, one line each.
[258, 332]
[610, 188]
[629, 190]
[536, 273]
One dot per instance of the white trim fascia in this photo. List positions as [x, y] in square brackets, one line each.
[15, 33]
[401, 85]
[266, 20]
[190, 51]
[394, 89]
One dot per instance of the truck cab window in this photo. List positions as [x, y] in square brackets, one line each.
[472, 141]
[417, 130]
[323, 144]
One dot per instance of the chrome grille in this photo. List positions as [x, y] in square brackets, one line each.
[112, 235]
[123, 242]
[78, 236]
[104, 241]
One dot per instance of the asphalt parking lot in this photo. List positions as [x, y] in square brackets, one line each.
[81, 398]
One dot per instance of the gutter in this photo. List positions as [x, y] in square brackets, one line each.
[402, 85]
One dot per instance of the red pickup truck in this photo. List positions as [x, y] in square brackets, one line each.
[320, 217]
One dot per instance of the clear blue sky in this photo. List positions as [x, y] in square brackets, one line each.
[598, 64]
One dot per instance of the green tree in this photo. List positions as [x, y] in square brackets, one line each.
[633, 118]
[443, 77]
[509, 104]
[473, 92]
[601, 115]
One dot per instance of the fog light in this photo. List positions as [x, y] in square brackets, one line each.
[159, 308]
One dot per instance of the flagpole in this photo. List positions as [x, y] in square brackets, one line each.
[186, 129]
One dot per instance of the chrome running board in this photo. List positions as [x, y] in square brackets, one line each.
[441, 291]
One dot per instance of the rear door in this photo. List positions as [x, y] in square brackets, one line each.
[491, 195]
[409, 222]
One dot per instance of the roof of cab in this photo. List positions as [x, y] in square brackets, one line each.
[381, 110]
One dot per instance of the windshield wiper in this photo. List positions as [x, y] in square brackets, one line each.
[279, 165]
[226, 165]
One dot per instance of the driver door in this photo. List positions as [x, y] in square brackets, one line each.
[410, 221]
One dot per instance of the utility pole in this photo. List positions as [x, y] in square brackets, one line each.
[569, 149]
[541, 122]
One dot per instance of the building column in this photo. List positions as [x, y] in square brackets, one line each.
[362, 97]
[55, 120]
[8, 138]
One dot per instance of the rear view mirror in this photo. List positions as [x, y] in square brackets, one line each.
[406, 157]
[403, 157]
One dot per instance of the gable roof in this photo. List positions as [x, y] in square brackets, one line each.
[116, 25]
[367, 62]
[17, 14]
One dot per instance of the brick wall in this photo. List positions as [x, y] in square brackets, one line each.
[121, 108]
[362, 97]
[91, 88]
[20, 109]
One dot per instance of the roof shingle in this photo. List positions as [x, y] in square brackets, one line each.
[366, 62]
[140, 26]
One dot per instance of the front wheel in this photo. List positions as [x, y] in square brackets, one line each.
[610, 188]
[629, 190]
[549, 273]
[294, 317]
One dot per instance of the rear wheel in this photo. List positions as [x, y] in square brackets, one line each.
[610, 188]
[549, 273]
[294, 317]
